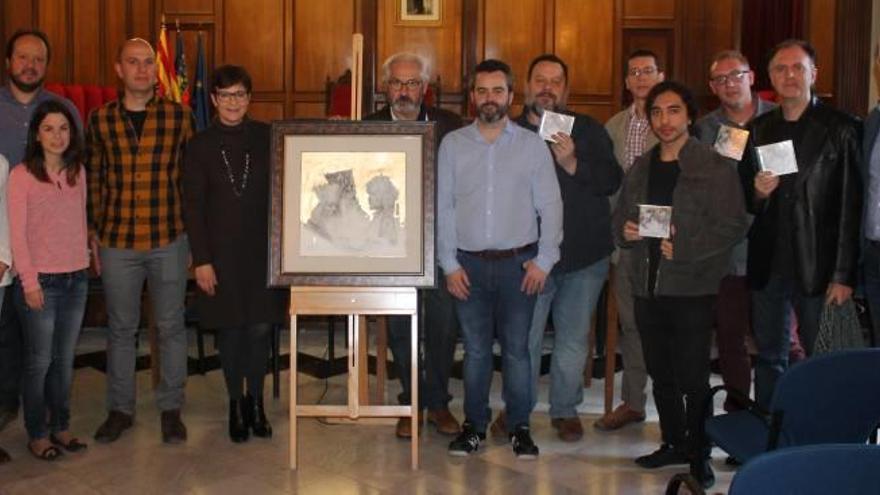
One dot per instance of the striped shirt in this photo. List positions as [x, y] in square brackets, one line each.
[135, 181]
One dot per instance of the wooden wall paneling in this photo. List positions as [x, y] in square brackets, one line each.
[472, 12]
[52, 18]
[142, 21]
[819, 29]
[584, 38]
[440, 45]
[187, 7]
[15, 15]
[267, 111]
[367, 23]
[115, 15]
[853, 55]
[512, 34]
[649, 9]
[322, 48]
[88, 28]
[260, 51]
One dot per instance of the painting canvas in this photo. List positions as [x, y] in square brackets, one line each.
[353, 203]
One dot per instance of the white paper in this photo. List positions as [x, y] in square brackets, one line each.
[552, 123]
[654, 221]
[731, 141]
[777, 158]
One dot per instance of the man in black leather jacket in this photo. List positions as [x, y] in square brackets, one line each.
[803, 244]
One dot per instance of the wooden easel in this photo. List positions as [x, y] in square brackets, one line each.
[355, 302]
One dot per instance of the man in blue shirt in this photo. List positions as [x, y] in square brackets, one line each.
[27, 57]
[871, 228]
[494, 180]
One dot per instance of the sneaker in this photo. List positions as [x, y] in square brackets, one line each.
[173, 429]
[666, 455]
[113, 426]
[523, 446]
[621, 416]
[467, 442]
[498, 428]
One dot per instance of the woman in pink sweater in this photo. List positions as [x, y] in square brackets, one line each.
[47, 226]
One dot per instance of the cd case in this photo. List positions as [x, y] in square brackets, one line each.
[654, 221]
[777, 158]
[731, 141]
[552, 123]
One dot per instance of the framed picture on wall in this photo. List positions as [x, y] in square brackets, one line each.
[419, 12]
[352, 204]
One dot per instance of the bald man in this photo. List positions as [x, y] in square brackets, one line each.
[135, 148]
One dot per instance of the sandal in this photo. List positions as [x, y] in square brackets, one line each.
[50, 453]
[74, 445]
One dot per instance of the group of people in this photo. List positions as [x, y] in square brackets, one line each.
[138, 196]
[528, 230]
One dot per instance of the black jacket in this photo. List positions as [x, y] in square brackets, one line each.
[708, 215]
[446, 121]
[826, 212]
[586, 212]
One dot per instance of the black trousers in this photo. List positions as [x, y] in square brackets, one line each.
[244, 355]
[676, 339]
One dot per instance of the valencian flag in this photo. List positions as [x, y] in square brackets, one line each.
[168, 88]
[180, 69]
[200, 93]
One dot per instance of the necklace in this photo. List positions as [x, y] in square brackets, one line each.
[237, 190]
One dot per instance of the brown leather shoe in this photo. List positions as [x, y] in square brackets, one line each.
[568, 429]
[173, 429]
[404, 428]
[113, 426]
[4, 457]
[618, 418]
[444, 421]
[498, 428]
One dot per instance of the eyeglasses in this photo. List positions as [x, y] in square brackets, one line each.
[735, 77]
[797, 69]
[231, 95]
[648, 71]
[396, 84]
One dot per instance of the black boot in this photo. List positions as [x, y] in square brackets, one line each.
[256, 417]
[238, 430]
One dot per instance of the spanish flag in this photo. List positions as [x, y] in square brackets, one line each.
[168, 85]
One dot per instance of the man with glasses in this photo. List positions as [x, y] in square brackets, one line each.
[731, 80]
[631, 134]
[406, 82]
[135, 151]
[804, 242]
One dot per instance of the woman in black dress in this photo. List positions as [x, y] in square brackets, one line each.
[226, 191]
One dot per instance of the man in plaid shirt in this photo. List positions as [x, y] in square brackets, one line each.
[135, 149]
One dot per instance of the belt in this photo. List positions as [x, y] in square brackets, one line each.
[500, 254]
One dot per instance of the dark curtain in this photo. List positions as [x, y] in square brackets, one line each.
[764, 24]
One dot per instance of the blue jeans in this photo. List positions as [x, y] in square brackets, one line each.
[771, 322]
[572, 298]
[496, 303]
[439, 331]
[50, 336]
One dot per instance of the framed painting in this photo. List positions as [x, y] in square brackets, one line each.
[419, 12]
[352, 204]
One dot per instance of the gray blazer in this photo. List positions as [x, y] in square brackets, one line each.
[709, 216]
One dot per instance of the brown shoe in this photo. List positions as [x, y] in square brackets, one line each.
[4, 457]
[173, 429]
[618, 418]
[568, 429]
[498, 428]
[444, 421]
[113, 426]
[404, 427]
